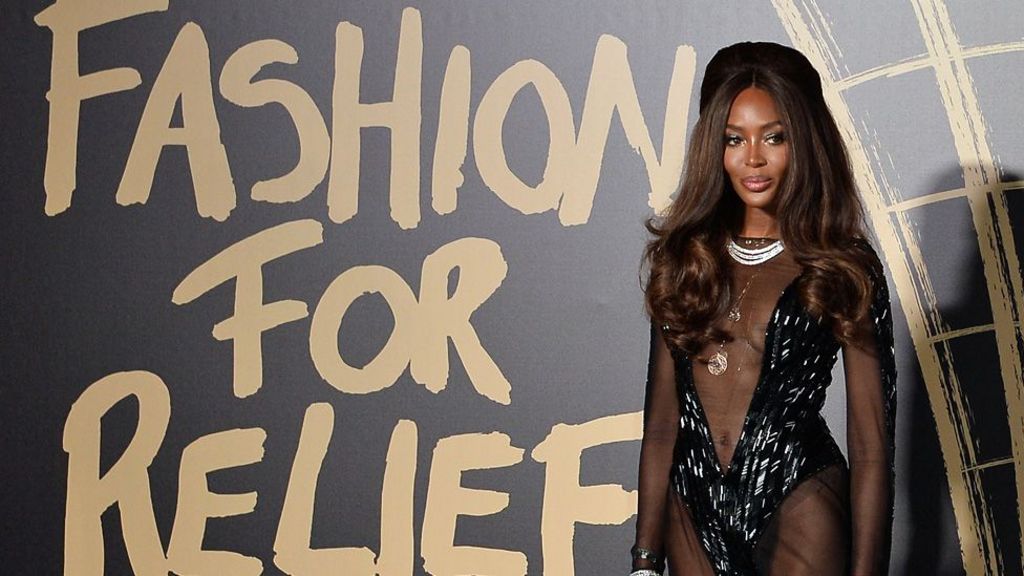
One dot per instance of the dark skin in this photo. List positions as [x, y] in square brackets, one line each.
[755, 160]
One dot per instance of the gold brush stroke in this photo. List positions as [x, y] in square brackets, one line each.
[890, 70]
[993, 463]
[900, 270]
[961, 418]
[968, 331]
[821, 30]
[951, 416]
[921, 62]
[892, 191]
[921, 278]
[946, 195]
[987, 200]
[992, 49]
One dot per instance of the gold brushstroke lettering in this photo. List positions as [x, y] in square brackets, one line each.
[385, 368]
[185, 77]
[402, 116]
[489, 147]
[612, 88]
[565, 501]
[293, 554]
[237, 85]
[244, 262]
[447, 499]
[126, 483]
[196, 503]
[452, 132]
[482, 269]
[66, 19]
[428, 323]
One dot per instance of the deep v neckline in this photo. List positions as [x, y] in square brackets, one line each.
[769, 343]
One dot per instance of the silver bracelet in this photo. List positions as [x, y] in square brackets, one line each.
[639, 553]
[644, 572]
[643, 553]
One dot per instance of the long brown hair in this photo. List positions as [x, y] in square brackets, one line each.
[821, 218]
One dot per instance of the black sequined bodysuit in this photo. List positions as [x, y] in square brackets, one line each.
[749, 480]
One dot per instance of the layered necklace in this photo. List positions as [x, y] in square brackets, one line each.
[755, 251]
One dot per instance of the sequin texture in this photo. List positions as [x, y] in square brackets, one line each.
[783, 440]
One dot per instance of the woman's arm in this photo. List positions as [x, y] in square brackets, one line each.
[661, 423]
[870, 370]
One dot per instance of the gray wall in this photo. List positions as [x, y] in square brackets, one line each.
[94, 284]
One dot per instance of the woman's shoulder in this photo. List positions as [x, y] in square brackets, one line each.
[872, 265]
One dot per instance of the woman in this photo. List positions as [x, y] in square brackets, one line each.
[759, 273]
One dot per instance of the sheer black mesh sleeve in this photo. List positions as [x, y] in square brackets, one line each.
[870, 370]
[661, 424]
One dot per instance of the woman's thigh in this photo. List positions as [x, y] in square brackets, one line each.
[682, 545]
[810, 531]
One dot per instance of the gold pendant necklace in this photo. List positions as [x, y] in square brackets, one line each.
[719, 361]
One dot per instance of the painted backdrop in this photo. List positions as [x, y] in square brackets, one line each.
[352, 287]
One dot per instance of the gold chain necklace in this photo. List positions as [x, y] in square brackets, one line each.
[719, 361]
